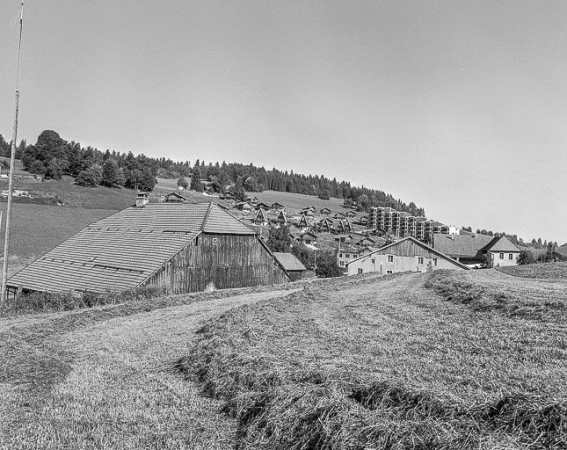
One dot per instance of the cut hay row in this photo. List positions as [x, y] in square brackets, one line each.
[459, 288]
[386, 364]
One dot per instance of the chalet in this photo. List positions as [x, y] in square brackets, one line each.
[177, 247]
[405, 255]
[308, 238]
[243, 206]
[325, 212]
[305, 222]
[325, 225]
[294, 268]
[350, 214]
[277, 206]
[342, 226]
[307, 212]
[281, 219]
[477, 250]
[339, 216]
[262, 205]
[253, 200]
[174, 197]
[365, 241]
[342, 238]
[364, 220]
[261, 218]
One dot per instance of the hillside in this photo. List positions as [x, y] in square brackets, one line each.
[439, 361]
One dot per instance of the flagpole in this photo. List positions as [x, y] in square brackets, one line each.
[3, 293]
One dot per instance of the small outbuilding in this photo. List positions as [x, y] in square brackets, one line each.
[291, 264]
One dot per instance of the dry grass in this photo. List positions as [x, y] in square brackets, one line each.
[388, 363]
[101, 378]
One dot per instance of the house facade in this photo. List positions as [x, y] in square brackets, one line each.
[478, 250]
[406, 255]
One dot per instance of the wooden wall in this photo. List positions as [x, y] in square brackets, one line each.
[226, 261]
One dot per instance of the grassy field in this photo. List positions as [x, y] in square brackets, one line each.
[36, 229]
[547, 270]
[447, 360]
[103, 378]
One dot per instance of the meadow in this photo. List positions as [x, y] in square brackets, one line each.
[445, 360]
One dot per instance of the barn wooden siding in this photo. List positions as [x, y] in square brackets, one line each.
[228, 261]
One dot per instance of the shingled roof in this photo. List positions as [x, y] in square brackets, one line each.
[123, 250]
[461, 245]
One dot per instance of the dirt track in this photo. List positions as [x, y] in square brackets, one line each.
[121, 391]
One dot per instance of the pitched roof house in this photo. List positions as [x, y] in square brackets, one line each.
[473, 249]
[178, 247]
[405, 255]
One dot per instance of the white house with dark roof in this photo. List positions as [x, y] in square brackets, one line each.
[476, 250]
[178, 247]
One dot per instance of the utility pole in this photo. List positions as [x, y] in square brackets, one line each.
[3, 293]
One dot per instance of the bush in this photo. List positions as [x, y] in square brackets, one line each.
[526, 257]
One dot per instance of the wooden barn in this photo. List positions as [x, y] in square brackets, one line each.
[406, 255]
[179, 247]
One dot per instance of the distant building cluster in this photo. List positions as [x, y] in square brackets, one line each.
[402, 224]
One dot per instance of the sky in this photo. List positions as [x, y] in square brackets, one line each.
[459, 106]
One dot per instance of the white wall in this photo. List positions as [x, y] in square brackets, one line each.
[379, 263]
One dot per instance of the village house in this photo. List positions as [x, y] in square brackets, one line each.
[346, 253]
[262, 205]
[243, 206]
[325, 212]
[174, 197]
[178, 247]
[478, 250]
[277, 206]
[406, 255]
[308, 238]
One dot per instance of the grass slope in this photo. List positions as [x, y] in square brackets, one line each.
[414, 361]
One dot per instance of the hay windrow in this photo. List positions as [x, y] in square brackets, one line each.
[278, 368]
[455, 288]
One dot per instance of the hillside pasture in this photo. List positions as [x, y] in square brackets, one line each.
[36, 229]
[410, 361]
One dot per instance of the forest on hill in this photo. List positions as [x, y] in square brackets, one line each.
[52, 157]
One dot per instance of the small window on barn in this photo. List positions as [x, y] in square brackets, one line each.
[391, 258]
[359, 271]
[434, 261]
[342, 263]
[420, 260]
[340, 255]
[510, 256]
[215, 241]
[389, 272]
[501, 255]
[373, 260]
[347, 255]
